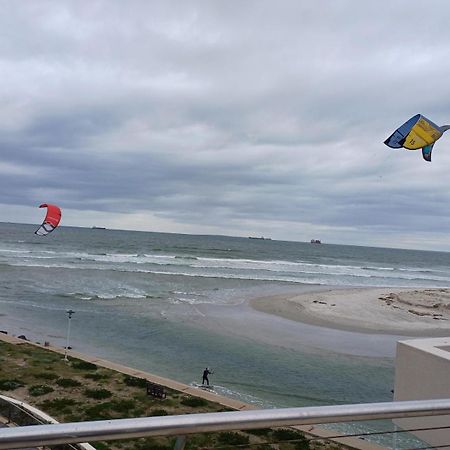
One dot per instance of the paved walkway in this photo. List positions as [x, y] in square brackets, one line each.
[313, 431]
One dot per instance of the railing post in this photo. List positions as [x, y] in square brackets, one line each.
[394, 437]
[180, 443]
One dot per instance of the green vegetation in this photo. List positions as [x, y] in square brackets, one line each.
[133, 381]
[287, 434]
[232, 438]
[76, 391]
[39, 389]
[67, 382]
[83, 365]
[158, 412]
[260, 431]
[58, 405]
[95, 376]
[47, 376]
[10, 385]
[98, 394]
[194, 402]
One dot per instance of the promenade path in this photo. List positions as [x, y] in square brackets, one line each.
[313, 431]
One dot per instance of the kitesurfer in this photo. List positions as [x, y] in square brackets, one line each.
[206, 372]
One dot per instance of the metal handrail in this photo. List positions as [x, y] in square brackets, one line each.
[104, 430]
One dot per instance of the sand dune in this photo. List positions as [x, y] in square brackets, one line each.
[414, 312]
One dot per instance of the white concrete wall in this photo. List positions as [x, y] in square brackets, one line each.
[422, 371]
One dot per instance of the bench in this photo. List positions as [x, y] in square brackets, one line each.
[156, 390]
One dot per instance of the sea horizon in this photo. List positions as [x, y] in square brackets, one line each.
[254, 236]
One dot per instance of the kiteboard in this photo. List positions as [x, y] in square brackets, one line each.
[206, 387]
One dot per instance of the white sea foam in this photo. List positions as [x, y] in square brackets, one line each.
[270, 270]
[304, 277]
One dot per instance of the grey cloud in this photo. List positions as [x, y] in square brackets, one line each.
[213, 114]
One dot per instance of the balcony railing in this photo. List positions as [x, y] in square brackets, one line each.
[104, 430]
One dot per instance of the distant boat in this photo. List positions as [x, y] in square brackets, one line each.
[262, 238]
[315, 241]
[98, 228]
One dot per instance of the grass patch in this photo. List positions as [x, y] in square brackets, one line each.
[100, 411]
[194, 402]
[100, 393]
[46, 375]
[158, 412]
[95, 376]
[97, 394]
[39, 389]
[134, 381]
[58, 405]
[287, 434]
[10, 385]
[68, 382]
[232, 438]
[151, 444]
[123, 406]
[260, 431]
[83, 365]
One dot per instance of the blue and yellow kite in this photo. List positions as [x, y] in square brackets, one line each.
[417, 132]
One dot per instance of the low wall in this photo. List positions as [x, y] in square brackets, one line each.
[422, 372]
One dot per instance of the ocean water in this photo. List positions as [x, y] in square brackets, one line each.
[173, 304]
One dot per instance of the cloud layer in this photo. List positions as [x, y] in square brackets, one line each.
[233, 117]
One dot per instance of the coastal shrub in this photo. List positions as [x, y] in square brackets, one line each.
[102, 445]
[98, 411]
[122, 406]
[138, 412]
[95, 376]
[158, 412]
[302, 445]
[10, 385]
[170, 402]
[39, 389]
[232, 438]
[195, 402]
[67, 382]
[134, 381]
[73, 417]
[150, 444]
[98, 394]
[199, 441]
[58, 405]
[61, 402]
[286, 434]
[83, 365]
[46, 375]
[259, 431]
[44, 359]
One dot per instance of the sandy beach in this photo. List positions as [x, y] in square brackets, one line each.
[411, 312]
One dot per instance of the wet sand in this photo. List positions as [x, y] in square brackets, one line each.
[412, 312]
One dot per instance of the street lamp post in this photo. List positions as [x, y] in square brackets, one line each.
[69, 315]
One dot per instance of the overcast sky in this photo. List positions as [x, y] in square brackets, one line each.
[242, 118]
